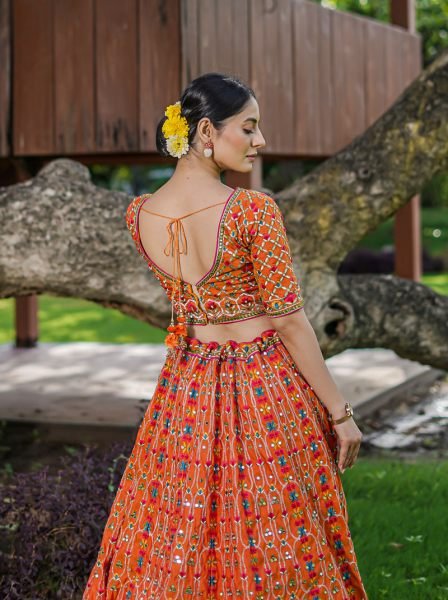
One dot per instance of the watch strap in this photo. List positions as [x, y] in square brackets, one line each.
[349, 413]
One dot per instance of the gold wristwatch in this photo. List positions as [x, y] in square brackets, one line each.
[349, 413]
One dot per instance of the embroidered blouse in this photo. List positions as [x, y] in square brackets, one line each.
[252, 272]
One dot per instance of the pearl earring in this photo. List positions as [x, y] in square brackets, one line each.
[208, 149]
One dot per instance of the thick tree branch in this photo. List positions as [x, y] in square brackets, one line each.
[62, 235]
[386, 311]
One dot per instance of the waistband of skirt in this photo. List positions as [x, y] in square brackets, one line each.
[230, 347]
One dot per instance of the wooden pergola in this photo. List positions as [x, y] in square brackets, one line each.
[89, 80]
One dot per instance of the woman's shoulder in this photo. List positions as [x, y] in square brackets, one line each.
[255, 195]
[255, 203]
[251, 211]
[256, 198]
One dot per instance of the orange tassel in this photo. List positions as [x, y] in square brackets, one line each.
[181, 329]
[171, 340]
[175, 331]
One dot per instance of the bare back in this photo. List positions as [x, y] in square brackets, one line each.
[198, 221]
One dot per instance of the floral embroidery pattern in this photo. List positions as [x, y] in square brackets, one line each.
[252, 274]
[232, 487]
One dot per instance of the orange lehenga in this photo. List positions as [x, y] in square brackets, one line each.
[232, 488]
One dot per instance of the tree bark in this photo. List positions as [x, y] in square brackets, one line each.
[62, 235]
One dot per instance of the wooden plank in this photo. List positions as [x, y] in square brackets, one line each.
[305, 61]
[271, 49]
[285, 71]
[348, 52]
[325, 93]
[116, 69]
[416, 52]
[189, 41]
[215, 39]
[5, 76]
[234, 58]
[223, 44]
[404, 61]
[260, 48]
[208, 40]
[401, 38]
[394, 62]
[375, 71]
[407, 226]
[74, 80]
[311, 79]
[413, 57]
[33, 77]
[159, 65]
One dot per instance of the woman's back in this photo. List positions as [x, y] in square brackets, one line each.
[231, 253]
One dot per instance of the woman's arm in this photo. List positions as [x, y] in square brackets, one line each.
[297, 334]
[263, 231]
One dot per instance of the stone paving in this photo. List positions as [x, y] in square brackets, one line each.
[416, 423]
[99, 384]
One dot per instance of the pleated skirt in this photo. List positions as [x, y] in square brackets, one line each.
[232, 488]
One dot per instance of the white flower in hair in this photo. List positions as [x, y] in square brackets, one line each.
[177, 145]
[175, 129]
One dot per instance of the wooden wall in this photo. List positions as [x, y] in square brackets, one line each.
[91, 76]
[88, 77]
[5, 76]
[321, 76]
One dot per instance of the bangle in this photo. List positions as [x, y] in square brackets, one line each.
[348, 411]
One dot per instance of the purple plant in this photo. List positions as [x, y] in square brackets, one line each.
[51, 525]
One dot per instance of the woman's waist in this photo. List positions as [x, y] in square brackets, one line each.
[239, 331]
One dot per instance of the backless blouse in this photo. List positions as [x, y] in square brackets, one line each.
[252, 272]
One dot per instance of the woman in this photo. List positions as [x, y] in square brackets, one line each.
[232, 488]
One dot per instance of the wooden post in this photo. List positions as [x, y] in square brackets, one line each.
[26, 314]
[26, 321]
[407, 230]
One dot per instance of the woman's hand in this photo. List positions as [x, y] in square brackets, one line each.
[349, 436]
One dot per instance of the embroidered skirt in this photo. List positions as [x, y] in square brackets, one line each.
[232, 488]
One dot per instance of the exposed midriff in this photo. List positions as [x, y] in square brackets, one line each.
[241, 331]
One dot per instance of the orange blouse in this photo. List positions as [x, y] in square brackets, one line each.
[252, 271]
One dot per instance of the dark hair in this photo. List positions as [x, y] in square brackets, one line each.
[211, 95]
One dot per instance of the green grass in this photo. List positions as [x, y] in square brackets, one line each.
[398, 522]
[437, 281]
[74, 320]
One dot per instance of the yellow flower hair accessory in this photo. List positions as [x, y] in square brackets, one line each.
[175, 129]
